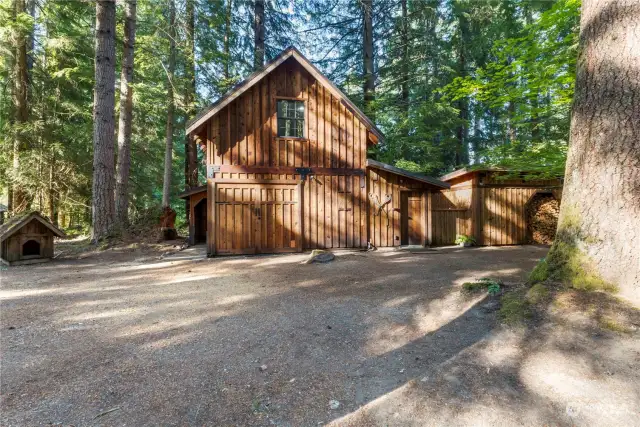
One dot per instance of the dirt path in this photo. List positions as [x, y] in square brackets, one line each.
[379, 338]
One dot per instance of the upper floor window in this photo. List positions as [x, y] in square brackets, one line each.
[290, 118]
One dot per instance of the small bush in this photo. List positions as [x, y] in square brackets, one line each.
[492, 286]
[463, 238]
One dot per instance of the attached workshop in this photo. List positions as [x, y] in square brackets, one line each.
[27, 239]
[496, 207]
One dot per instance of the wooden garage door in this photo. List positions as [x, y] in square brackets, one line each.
[257, 219]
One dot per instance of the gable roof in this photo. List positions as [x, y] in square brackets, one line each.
[407, 174]
[9, 228]
[252, 79]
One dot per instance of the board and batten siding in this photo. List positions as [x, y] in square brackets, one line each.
[243, 145]
[385, 228]
[490, 209]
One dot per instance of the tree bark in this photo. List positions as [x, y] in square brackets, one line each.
[189, 98]
[369, 87]
[462, 150]
[258, 29]
[19, 197]
[126, 115]
[103, 208]
[166, 187]
[227, 44]
[404, 40]
[599, 227]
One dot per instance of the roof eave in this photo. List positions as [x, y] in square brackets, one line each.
[411, 175]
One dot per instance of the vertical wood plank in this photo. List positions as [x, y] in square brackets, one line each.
[300, 225]
[313, 126]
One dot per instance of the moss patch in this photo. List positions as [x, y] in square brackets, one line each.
[613, 325]
[566, 262]
[515, 308]
[540, 273]
[537, 293]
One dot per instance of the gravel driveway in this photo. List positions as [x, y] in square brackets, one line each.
[236, 341]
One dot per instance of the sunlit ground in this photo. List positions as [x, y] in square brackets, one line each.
[270, 341]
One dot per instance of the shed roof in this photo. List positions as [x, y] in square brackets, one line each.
[252, 79]
[14, 224]
[465, 171]
[194, 190]
[402, 172]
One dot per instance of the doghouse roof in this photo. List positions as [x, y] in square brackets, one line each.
[9, 228]
[252, 79]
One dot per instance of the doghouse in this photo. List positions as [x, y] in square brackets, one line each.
[27, 239]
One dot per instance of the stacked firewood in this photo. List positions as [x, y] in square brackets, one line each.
[542, 219]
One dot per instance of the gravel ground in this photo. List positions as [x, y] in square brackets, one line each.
[377, 338]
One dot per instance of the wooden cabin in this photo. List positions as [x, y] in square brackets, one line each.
[287, 170]
[490, 205]
[27, 239]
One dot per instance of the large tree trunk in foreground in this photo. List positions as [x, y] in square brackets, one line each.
[126, 110]
[168, 155]
[367, 58]
[103, 209]
[598, 237]
[258, 30]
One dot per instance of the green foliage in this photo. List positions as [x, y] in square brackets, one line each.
[492, 286]
[540, 272]
[463, 238]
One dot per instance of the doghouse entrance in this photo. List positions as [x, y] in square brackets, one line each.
[200, 221]
[31, 248]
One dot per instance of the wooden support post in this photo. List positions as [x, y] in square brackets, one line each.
[300, 233]
[211, 217]
[477, 217]
[429, 219]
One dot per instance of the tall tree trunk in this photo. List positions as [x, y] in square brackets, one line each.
[189, 98]
[51, 196]
[462, 150]
[227, 44]
[19, 199]
[599, 227]
[369, 87]
[258, 30]
[126, 115]
[103, 209]
[404, 40]
[168, 155]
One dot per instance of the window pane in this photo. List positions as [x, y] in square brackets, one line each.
[282, 127]
[282, 108]
[291, 112]
[299, 128]
[300, 110]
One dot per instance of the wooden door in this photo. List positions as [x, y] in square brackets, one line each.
[256, 218]
[411, 217]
